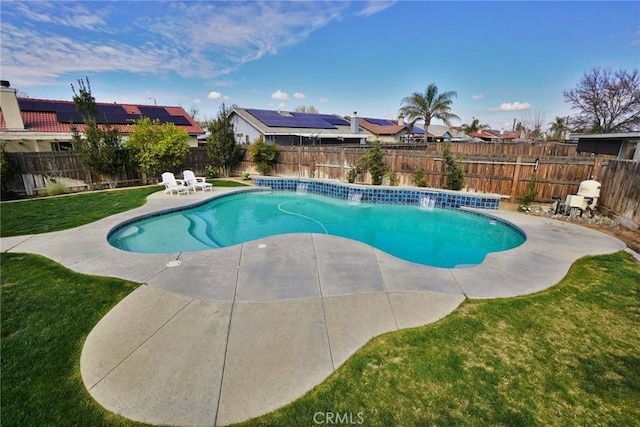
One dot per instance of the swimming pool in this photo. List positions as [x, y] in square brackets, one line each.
[425, 235]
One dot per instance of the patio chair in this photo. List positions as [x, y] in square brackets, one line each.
[172, 184]
[195, 182]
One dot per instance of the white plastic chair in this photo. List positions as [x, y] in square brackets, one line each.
[171, 184]
[195, 182]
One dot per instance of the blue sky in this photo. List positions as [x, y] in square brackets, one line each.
[505, 59]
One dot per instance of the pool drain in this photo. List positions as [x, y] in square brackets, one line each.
[174, 263]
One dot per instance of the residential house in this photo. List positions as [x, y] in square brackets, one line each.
[389, 131]
[34, 125]
[294, 128]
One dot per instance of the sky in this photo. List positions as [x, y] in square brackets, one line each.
[504, 59]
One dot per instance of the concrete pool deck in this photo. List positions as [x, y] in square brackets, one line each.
[230, 334]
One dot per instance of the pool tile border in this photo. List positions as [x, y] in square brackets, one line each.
[382, 194]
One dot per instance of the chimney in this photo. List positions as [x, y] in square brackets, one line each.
[354, 123]
[9, 106]
[401, 120]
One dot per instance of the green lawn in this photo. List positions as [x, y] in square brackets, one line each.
[43, 215]
[566, 356]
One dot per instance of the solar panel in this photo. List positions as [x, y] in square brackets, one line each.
[69, 117]
[380, 122]
[295, 120]
[36, 105]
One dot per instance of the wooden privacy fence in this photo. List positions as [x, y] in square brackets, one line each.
[503, 169]
[30, 173]
[620, 191]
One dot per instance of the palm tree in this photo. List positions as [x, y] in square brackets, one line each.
[558, 127]
[430, 105]
[475, 126]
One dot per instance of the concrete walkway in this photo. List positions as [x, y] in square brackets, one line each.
[229, 334]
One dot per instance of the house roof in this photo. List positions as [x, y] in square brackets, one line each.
[55, 116]
[272, 122]
[383, 126]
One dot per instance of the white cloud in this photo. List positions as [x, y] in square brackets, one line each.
[299, 95]
[190, 39]
[513, 106]
[226, 97]
[282, 105]
[478, 96]
[324, 100]
[280, 95]
[373, 7]
[214, 95]
[197, 101]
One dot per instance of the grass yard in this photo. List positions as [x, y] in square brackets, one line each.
[43, 215]
[566, 356]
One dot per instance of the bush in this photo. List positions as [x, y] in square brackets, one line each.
[531, 193]
[263, 155]
[455, 174]
[393, 179]
[212, 172]
[419, 179]
[374, 163]
[353, 174]
[246, 176]
[56, 188]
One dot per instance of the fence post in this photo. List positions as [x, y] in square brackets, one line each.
[515, 179]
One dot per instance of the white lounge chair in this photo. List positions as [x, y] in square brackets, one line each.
[195, 182]
[172, 184]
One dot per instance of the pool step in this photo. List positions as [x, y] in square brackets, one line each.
[201, 230]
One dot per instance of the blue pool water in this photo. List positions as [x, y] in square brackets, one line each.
[435, 237]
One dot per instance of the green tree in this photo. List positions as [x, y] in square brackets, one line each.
[263, 155]
[558, 127]
[455, 174]
[100, 147]
[373, 162]
[158, 147]
[473, 127]
[222, 149]
[428, 106]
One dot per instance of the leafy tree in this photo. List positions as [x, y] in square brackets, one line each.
[373, 162]
[222, 149]
[558, 127]
[101, 149]
[455, 174]
[606, 101]
[263, 155]
[158, 147]
[428, 106]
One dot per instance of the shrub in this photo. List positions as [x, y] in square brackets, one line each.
[455, 174]
[393, 179]
[55, 188]
[531, 193]
[353, 174]
[374, 163]
[419, 179]
[212, 172]
[246, 176]
[263, 155]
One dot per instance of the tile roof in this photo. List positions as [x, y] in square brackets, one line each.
[47, 121]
